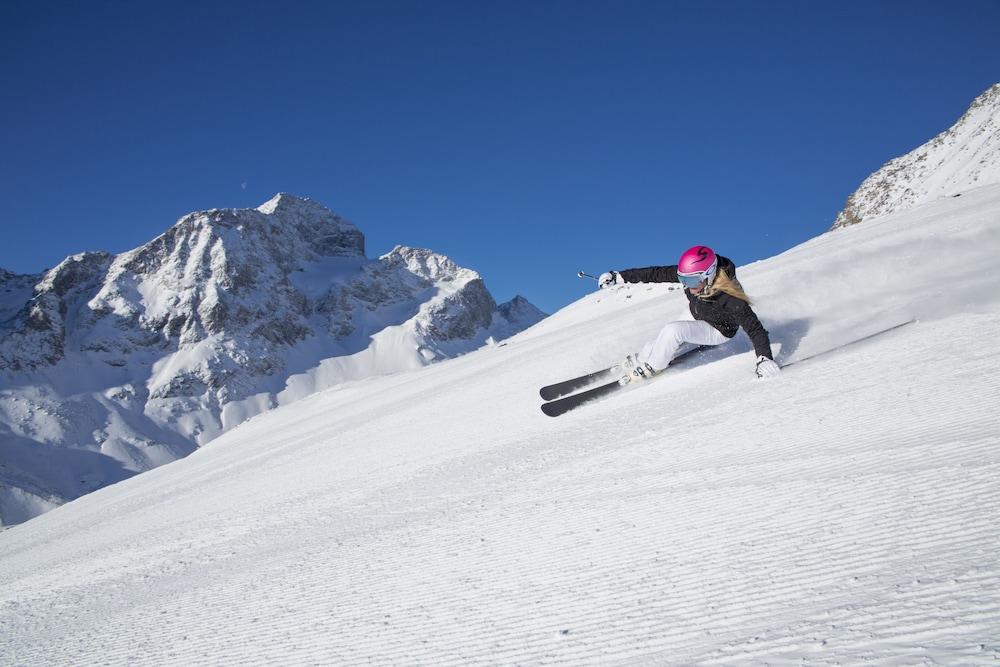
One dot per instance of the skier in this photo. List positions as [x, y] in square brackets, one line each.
[717, 301]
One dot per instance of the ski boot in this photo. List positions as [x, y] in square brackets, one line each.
[635, 370]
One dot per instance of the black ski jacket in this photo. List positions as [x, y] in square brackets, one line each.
[723, 311]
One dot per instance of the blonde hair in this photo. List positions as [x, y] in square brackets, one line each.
[723, 283]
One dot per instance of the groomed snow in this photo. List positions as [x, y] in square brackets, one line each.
[847, 512]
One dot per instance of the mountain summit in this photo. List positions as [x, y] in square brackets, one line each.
[111, 365]
[964, 157]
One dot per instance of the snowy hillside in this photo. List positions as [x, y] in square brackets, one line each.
[964, 157]
[846, 512]
[112, 365]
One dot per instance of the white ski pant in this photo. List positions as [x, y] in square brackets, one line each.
[678, 337]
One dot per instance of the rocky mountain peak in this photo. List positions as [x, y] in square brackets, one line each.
[427, 264]
[284, 202]
[74, 272]
[328, 234]
[520, 309]
[151, 353]
[989, 99]
[964, 157]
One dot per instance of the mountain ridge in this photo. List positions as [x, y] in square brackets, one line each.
[965, 156]
[142, 357]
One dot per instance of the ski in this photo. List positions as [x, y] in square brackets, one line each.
[564, 404]
[786, 364]
[567, 387]
[567, 403]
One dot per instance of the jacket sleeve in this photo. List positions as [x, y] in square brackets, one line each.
[651, 274]
[755, 331]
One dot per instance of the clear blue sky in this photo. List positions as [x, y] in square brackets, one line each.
[526, 140]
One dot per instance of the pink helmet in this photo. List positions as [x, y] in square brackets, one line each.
[697, 265]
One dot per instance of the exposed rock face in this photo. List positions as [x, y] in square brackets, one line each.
[521, 311]
[964, 157]
[139, 358]
[35, 335]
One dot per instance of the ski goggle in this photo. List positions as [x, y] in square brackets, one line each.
[691, 280]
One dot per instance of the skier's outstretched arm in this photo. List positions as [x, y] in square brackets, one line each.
[650, 274]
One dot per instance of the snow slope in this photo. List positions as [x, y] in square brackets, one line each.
[847, 512]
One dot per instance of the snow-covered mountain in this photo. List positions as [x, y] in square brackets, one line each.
[844, 513]
[964, 157]
[112, 365]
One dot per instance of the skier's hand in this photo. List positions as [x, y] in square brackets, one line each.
[766, 368]
[608, 279]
